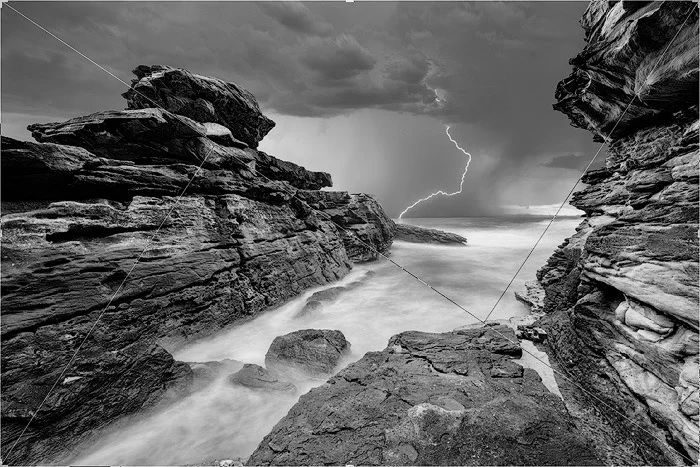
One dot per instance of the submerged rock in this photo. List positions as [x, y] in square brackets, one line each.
[312, 352]
[416, 234]
[256, 377]
[319, 299]
[455, 398]
[206, 372]
[531, 333]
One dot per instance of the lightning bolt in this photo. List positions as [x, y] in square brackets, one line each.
[440, 192]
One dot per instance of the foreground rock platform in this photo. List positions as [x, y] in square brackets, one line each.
[456, 398]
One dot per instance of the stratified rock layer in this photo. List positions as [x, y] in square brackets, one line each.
[201, 98]
[622, 293]
[430, 399]
[416, 234]
[81, 206]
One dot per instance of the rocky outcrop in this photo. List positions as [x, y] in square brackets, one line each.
[363, 226]
[308, 352]
[456, 398]
[82, 204]
[204, 99]
[256, 377]
[622, 293]
[416, 234]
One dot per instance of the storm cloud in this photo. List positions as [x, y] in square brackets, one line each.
[405, 69]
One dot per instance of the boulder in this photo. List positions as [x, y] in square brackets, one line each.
[455, 398]
[311, 352]
[200, 98]
[416, 234]
[256, 377]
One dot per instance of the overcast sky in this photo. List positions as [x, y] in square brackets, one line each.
[352, 86]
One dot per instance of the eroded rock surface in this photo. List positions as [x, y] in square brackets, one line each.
[416, 234]
[256, 377]
[456, 398]
[308, 352]
[201, 98]
[622, 293]
[81, 205]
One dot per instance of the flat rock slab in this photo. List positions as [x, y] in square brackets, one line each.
[416, 234]
[312, 352]
[456, 398]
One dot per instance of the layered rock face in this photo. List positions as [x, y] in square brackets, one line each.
[456, 398]
[622, 293]
[204, 99]
[81, 205]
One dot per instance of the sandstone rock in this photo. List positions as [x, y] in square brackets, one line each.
[297, 176]
[364, 226]
[430, 399]
[625, 43]
[256, 377]
[200, 98]
[312, 352]
[416, 234]
[623, 292]
[533, 296]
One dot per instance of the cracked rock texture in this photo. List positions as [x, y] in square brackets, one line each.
[308, 352]
[622, 293]
[455, 398]
[81, 204]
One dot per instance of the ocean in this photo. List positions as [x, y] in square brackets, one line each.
[223, 421]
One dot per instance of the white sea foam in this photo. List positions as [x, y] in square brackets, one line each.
[227, 422]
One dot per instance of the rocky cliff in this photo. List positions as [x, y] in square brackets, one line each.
[81, 205]
[622, 293]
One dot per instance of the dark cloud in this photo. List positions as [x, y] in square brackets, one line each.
[341, 57]
[569, 161]
[297, 17]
